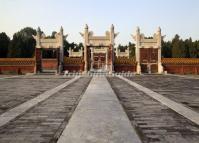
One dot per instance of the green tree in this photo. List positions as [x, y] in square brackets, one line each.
[166, 49]
[122, 48]
[4, 43]
[22, 44]
[79, 46]
[196, 43]
[131, 50]
[188, 45]
[178, 47]
[66, 47]
[15, 47]
[192, 46]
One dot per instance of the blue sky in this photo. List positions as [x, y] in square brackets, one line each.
[173, 16]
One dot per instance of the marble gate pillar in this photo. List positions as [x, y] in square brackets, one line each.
[85, 59]
[92, 58]
[38, 52]
[61, 52]
[38, 60]
[106, 66]
[137, 51]
[159, 43]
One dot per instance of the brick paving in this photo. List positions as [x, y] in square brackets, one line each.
[16, 90]
[179, 89]
[154, 122]
[45, 122]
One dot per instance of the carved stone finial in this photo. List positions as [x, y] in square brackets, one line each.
[38, 29]
[61, 29]
[137, 30]
[86, 26]
[159, 29]
[112, 27]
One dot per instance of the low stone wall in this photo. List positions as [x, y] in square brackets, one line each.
[181, 65]
[16, 65]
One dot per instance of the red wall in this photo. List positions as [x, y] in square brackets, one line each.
[181, 69]
[17, 65]
[49, 64]
[25, 65]
[181, 65]
[16, 69]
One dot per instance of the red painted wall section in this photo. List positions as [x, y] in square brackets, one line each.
[124, 64]
[27, 65]
[181, 65]
[125, 68]
[17, 65]
[49, 64]
[73, 64]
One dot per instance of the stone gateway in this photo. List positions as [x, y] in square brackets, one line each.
[99, 50]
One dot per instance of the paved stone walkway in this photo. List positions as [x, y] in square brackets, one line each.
[17, 90]
[9, 76]
[99, 118]
[179, 89]
[15, 112]
[177, 107]
[155, 122]
[45, 122]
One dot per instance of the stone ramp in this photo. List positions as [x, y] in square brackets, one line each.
[99, 118]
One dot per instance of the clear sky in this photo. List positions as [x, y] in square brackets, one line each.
[173, 16]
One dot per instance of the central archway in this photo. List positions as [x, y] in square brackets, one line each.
[99, 50]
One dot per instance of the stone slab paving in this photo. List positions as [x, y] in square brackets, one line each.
[45, 122]
[8, 76]
[179, 89]
[153, 121]
[15, 112]
[99, 118]
[189, 76]
[17, 90]
[177, 107]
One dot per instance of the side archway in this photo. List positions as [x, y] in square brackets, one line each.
[57, 44]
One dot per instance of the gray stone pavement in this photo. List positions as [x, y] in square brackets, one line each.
[15, 112]
[17, 90]
[99, 118]
[153, 121]
[45, 122]
[179, 89]
[8, 76]
[186, 76]
[177, 107]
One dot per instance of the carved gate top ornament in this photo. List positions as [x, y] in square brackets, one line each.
[43, 42]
